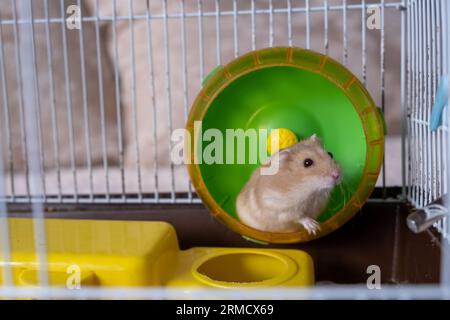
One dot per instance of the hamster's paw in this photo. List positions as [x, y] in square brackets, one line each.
[311, 225]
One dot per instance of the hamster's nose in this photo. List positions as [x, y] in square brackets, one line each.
[336, 175]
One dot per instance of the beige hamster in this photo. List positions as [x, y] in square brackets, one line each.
[292, 198]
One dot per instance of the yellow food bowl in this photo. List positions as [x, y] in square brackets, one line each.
[280, 139]
[243, 268]
[136, 253]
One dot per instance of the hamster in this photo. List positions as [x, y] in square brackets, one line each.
[294, 197]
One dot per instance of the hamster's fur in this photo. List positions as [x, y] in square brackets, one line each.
[292, 198]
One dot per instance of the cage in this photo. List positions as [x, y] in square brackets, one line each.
[91, 92]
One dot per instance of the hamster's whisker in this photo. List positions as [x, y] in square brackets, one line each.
[343, 192]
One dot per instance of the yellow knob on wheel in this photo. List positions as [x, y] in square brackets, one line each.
[280, 139]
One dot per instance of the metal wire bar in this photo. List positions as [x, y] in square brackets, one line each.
[445, 230]
[344, 32]
[403, 93]
[289, 22]
[102, 101]
[403, 292]
[69, 104]
[415, 108]
[87, 127]
[435, 145]
[439, 74]
[200, 38]
[271, 32]
[383, 86]
[408, 109]
[55, 129]
[424, 108]
[218, 34]
[185, 71]
[431, 163]
[135, 17]
[445, 248]
[7, 116]
[152, 93]
[30, 104]
[169, 97]
[118, 100]
[363, 43]
[4, 222]
[38, 106]
[444, 57]
[253, 13]
[420, 107]
[133, 100]
[100, 199]
[325, 26]
[308, 25]
[235, 28]
[20, 97]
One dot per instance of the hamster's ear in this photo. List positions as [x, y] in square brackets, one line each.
[315, 140]
[311, 141]
[283, 157]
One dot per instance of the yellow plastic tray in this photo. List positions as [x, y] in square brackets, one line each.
[119, 253]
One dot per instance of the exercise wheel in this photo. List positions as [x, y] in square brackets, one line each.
[308, 93]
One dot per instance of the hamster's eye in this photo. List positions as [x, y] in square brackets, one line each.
[330, 154]
[308, 163]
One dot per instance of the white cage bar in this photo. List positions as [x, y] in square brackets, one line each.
[426, 63]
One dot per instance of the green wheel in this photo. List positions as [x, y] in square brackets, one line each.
[303, 91]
